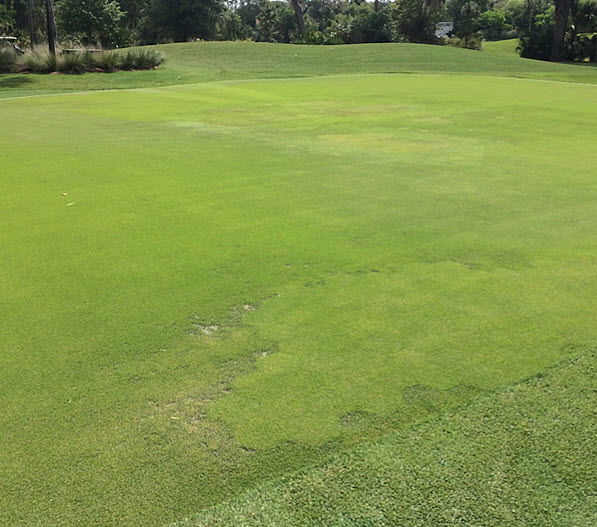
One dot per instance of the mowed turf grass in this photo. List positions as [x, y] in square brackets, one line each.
[212, 61]
[207, 286]
[522, 456]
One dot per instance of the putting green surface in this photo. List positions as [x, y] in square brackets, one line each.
[206, 286]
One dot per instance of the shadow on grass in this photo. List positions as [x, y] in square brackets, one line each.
[13, 81]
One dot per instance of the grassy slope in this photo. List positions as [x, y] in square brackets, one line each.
[524, 456]
[501, 47]
[372, 250]
[211, 61]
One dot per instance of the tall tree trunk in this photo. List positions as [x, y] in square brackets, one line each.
[51, 20]
[433, 5]
[31, 21]
[376, 5]
[298, 12]
[559, 30]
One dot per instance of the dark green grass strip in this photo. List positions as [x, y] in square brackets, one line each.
[521, 457]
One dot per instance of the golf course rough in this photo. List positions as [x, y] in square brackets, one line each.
[207, 286]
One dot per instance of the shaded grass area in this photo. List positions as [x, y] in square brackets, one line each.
[204, 287]
[212, 61]
[524, 456]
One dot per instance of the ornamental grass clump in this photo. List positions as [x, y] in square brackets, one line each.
[140, 59]
[73, 63]
[7, 60]
[77, 61]
[37, 60]
[104, 61]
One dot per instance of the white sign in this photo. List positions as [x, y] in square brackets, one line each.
[443, 28]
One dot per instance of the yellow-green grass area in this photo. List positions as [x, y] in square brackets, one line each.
[212, 61]
[205, 287]
[523, 456]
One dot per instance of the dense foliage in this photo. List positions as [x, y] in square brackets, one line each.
[6, 17]
[179, 20]
[91, 21]
[536, 23]
[115, 23]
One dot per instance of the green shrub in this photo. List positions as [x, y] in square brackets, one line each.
[584, 47]
[230, 26]
[415, 21]
[584, 16]
[494, 25]
[472, 42]
[536, 37]
[536, 32]
[90, 21]
[360, 23]
[7, 18]
[277, 23]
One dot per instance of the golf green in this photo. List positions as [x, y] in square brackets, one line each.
[203, 287]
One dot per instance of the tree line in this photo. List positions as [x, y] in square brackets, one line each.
[547, 29]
